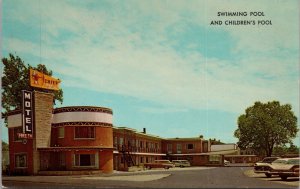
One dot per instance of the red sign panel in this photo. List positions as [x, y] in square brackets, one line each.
[24, 135]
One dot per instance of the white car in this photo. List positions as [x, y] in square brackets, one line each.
[264, 165]
[288, 169]
[181, 163]
[226, 163]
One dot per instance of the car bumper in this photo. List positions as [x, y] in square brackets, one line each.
[290, 174]
[284, 173]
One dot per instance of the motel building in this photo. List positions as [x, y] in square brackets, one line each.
[83, 140]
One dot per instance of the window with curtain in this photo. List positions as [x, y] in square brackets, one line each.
[179, 148]
[84, 132]
[169, 148]
[61, 132]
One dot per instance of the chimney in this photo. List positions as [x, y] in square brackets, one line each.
[144, 130]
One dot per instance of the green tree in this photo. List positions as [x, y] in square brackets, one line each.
[16, 78]
[265, 125]
[214, 141]
[5, 146]
[283, 150]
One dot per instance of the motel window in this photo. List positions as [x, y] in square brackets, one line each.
[61, 132]
[179, 148]
[17, 130]
[137, 143]
[121, 141]
[84, 160]
[115, 141]
[214, 158]
[20, 161]
[141, 144]
[190, 146]
[169, 148]
[84, 132]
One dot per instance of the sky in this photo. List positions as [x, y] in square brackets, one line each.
[161, 64]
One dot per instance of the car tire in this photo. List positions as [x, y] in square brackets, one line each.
[268, 175]
[283, 177]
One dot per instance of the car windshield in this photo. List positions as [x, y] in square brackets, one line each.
[282, 161]
[162, 161]
[269, 160]
[293, 161]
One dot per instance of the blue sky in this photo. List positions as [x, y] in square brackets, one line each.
[160, 64]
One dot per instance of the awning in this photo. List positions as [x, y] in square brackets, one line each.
[141, 153]
[224, 152]
[57, 149]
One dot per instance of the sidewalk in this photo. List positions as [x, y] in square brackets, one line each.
[82, 178]
[144, 175]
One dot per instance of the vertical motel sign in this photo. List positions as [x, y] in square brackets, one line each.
[27, 115]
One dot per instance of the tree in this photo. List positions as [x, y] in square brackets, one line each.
[265, 125]
[16, 78]
[5, 146]
[214, 141]
[283, 150]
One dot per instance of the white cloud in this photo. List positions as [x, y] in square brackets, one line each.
[109, 53]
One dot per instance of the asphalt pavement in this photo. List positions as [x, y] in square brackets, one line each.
[193, 177]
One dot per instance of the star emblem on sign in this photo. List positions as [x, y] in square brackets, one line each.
[35, 77]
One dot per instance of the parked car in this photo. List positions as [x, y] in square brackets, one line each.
[159, 164]
[288, 169]
[264, 165]
[226, 163]
[181, 163]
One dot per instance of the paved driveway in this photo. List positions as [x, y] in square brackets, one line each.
[292, 181]
[194, 177]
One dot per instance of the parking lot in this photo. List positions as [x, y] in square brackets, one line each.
[190, 177]
[292, 181]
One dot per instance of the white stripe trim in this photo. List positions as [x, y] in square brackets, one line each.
[82, 117]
